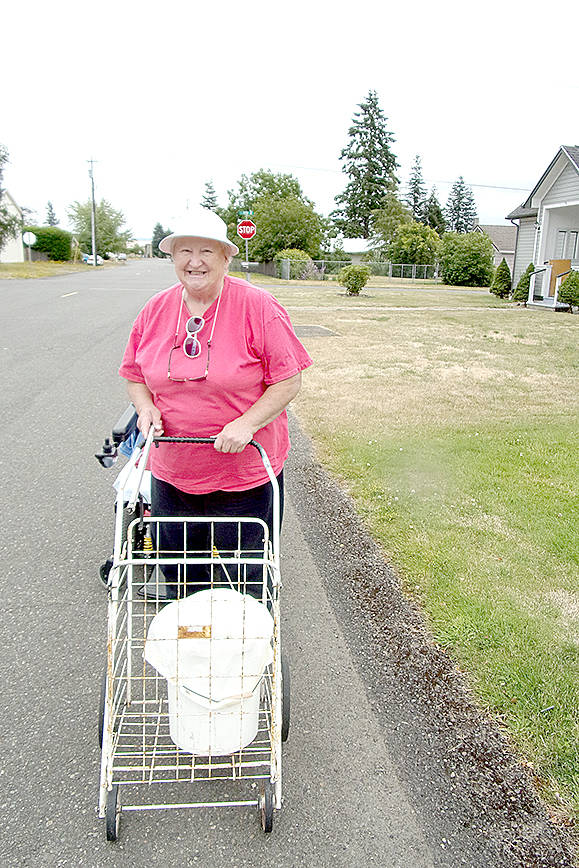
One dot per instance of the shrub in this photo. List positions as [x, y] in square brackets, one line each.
[55, 242]
[466, 259]
[501, 285]
[569, 292]
[354, 278]
[299, 262]
[521, 291]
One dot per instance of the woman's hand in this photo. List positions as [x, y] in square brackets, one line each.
[234, 437]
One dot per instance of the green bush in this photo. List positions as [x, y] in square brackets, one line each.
[55, 242]
[521, 291]
[299, 262]
[466, 259]
[501, 285]
[569, 292]
[354, 278]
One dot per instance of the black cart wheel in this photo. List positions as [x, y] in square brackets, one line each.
[113, 813]
[285, 697]
[104, 570]
[266, 807]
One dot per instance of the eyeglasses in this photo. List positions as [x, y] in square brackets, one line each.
[191, 346]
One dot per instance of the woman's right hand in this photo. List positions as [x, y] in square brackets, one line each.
[149, 416]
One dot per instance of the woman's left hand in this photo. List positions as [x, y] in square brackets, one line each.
[234, 437]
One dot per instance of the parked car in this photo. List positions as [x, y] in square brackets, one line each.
[122, 257]
[90, 259]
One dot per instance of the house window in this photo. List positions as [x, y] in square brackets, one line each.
[567, 246]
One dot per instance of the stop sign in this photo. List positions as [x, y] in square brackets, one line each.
[246, 229]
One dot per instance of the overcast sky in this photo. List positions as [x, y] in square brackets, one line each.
[165, 96]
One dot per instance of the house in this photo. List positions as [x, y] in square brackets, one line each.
[548, 228]
[503, 239]
[13, 250]
[356, 248]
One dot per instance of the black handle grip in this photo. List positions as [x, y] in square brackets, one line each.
[210, 440]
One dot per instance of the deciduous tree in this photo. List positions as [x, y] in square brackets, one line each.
[385, 223]
[284, 216]
[10, 224]
[111, 236]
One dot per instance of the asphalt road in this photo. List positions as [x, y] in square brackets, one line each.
[347, 801]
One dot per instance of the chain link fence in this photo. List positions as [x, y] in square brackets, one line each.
[319, 269]
[323, 269]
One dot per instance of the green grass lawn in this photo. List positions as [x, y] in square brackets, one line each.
[26, 270]
[453, 424]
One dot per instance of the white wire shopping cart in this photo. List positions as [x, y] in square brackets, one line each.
[149, 722]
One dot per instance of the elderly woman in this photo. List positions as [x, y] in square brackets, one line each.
[212, 356]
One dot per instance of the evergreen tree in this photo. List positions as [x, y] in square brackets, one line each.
[209, 199]
[51, 218]
[569, 292]
[521, 291]
[501, 283]
[158, 234]
[433, 214]
[460, 212]
[371, 167]
[416, 195]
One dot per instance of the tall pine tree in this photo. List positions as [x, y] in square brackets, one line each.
[209, 199]
[460, 212]
[371, 167]
[416, 195]
[51, 218]
[433, 214]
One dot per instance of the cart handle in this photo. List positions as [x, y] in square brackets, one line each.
[210, 441]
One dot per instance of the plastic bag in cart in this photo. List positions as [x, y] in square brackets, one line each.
[127, 480]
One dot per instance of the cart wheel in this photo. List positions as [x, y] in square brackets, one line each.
[103, 699]
[285, 697]
[266, 807]
[104, 570]
[113, 813]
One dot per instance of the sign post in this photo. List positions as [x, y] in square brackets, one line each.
[29, 239]
[246, 229]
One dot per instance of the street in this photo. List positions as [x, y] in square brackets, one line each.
[351, 798]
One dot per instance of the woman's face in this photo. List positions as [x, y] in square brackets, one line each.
[200, 264]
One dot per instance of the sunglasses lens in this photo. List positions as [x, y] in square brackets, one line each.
[191, 347]
[194, 324]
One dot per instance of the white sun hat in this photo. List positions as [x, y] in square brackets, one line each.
[199, 223]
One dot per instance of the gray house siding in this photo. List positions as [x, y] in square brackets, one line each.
[565, 188]
[525, 247]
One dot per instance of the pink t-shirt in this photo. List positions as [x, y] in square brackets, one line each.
[253, 346]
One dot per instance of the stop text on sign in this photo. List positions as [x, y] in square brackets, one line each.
[246, 229]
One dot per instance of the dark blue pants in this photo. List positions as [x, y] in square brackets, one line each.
[254, 503]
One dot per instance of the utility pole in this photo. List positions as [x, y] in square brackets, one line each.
[93, 214]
